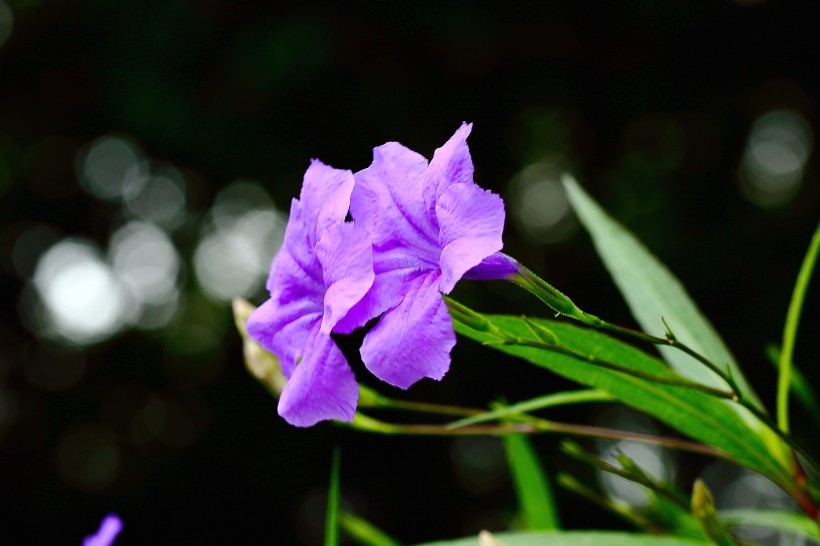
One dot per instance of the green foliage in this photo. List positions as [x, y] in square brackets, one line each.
[654, 295]
[704, 417]
[531, 485]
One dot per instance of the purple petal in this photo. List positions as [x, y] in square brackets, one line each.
[472, 221]
[494, 267]
[325, 197]
[282, 324]
[414, 339]
[346, 256]
[322, 386]
[109, 529]
[451, 164]
[283, 328]
[387, 200]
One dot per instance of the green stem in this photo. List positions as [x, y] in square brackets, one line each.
[332, 516]
[542, 402]
[532, 426]
[671, 342]
[790, 330]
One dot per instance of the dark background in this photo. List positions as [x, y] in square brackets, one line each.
[649, 104]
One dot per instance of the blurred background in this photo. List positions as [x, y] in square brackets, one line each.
[148, 155]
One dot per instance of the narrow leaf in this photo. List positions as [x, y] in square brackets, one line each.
[531, 485]
[653, 294]
[800, 387]
[790, 330]
[364, 532]
[332, 516]
[702, 416]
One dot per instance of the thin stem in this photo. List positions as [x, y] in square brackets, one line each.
[542, 402]
[532, 426]
[612, 434]
[671, 342]
[790, 330]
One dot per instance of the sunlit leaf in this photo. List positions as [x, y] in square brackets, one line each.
[653, 293]
[702, 416]
[573, 538]
[531, 484]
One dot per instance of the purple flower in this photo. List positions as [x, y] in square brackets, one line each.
[430, 226]
[324, 267]
[110, 527]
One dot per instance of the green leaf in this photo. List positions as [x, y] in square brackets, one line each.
[573, 538]
[655, 295]
[531, 485]
[332, 516]
[364, 532]
[790, 330]
[702, 416]
[703, 508]
[772, 519]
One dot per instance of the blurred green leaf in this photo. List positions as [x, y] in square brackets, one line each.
[702, 416]
[332, 516]
[531, 485]
[654, 295]
[364, 532]
[703, 508]
[573, 538]
[772, 519]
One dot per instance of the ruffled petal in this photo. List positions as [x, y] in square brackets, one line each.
[346, 256]
[283, 328]
[282, 324]
[387, 199]
[451, 164]
[325, 197]
[472, 221]
[322, 387]
[413, 340]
